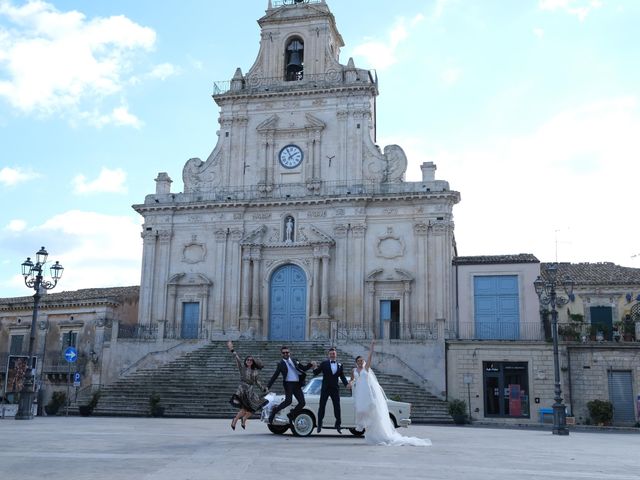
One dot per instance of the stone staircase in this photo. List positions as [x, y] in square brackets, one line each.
[200, 383]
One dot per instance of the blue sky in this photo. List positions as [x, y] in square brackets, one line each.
[529, 108]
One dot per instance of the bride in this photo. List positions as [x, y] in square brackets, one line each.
[372, 413]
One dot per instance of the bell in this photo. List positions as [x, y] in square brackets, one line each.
[294, 60]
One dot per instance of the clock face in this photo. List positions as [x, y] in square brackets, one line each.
[290, 156]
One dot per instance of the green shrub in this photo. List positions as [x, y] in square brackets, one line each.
[57, 400]
[600, 411]
[457, 407]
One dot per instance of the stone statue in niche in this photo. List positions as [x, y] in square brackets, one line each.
[289, 225]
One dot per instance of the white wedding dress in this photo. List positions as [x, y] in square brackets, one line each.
[372, 413]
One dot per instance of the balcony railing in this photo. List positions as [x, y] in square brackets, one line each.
[501, 331]
[292, 191]
[142, 333]
[176, 333]
[333, 78]
[281, 3]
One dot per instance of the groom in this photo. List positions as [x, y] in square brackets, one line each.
[331, 371]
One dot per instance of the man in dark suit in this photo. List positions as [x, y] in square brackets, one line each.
[331, 371]
[293, 378]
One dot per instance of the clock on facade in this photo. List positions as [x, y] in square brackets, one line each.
[290, 156]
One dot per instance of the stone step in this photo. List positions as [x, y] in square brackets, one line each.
[200, 383]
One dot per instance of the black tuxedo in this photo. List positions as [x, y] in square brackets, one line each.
[330, 388]
[291, 389]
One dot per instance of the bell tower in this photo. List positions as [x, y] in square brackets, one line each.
[298, 117]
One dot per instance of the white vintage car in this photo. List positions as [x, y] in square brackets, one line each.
[306, 421]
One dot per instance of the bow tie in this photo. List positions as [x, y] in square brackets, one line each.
[333, 361]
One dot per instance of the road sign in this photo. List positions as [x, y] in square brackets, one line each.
[76, 379]
[71, 355]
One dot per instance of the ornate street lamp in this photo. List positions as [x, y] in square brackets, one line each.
[33, 278]
[546, 291]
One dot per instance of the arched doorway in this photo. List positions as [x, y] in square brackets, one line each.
[288, 304]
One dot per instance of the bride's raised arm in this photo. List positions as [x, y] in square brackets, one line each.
[368, 364]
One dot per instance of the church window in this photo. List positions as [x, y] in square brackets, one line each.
[294, 60]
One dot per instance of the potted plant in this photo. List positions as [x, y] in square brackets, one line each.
[628, 328]
[155, 409]
[86, 410]
[600, 411]
[57, 400]
[458, 411]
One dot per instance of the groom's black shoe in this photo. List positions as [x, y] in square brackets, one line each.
[319, 429]
[272, 416]
[339, 430]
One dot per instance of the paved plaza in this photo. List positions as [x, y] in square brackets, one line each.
[96, 448]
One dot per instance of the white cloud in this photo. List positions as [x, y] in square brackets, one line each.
[575, 173]
[382, 54]
[102, 250]
[12, 176]
[109, 181]
[96, 250]
[164, 71]
[578, 8]
[450, 76]
[16, 225]
[61, 62]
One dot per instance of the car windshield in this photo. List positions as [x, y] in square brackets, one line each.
[314, 386]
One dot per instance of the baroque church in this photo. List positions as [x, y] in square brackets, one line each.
[298, 226]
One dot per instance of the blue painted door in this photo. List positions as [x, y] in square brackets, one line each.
[288, 304]
[190, 319]
[497, 307]
[385, 314]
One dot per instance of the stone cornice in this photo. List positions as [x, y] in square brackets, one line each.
[452, 197]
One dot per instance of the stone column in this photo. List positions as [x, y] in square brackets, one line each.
[220, 258]
[148, 267]
[162, 274]
[406, 311]
[244, 300]
[316, 285]
[255, 274]
[324, 303]
[372, 322]
[357, 295]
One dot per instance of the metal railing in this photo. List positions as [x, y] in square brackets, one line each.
[356, 188]
[501, 331]
[140, 333]
[253, 84]
[282, 3]
[177, 333]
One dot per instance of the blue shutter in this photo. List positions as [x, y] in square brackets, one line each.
[497, 307]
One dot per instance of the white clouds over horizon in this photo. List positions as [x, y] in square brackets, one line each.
[108, 181]
[573, 172]
[10, 177]
[577, 8]
[96, 250]
[63, 63]
[382, 54]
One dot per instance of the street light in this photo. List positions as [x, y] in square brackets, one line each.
[33, 278]
[546, 291]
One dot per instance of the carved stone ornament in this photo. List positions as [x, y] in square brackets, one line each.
[390, 245]
[194, 253]
[199, 176]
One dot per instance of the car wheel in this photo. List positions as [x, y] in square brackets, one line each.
[278, 429]
[393, 421]
[356, 432]
[302, 425]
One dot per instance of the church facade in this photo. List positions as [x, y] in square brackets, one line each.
[298, 226]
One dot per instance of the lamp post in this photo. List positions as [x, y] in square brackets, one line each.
[33, 278]
[546, 291]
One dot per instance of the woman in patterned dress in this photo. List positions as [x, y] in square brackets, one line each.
[249, 396]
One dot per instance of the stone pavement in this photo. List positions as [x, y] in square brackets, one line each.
[97, 448]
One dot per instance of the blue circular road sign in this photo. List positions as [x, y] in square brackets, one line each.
[71, 354]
